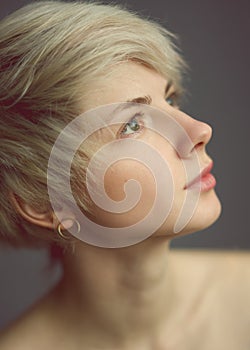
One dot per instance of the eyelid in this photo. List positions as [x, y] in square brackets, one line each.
[172, 94]
[136, 115]
[176, 96]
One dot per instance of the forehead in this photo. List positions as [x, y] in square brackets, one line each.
[126, 81]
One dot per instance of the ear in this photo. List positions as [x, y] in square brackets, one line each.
[43, 218]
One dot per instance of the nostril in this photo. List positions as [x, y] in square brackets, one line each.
[199, 144]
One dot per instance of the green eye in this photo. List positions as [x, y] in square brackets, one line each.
[172, 100]
[132, 126]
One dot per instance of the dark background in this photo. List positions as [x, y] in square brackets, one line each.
[214, 36]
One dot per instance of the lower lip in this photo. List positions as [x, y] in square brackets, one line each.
[205, 184]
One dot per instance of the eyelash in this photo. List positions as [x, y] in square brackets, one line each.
[175, 97]
[139, 123]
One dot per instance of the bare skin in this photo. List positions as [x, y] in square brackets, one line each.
[211, 309]
[143, 297]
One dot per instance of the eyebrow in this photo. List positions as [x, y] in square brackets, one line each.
[147, 100]
[142, 99]
[168, 87]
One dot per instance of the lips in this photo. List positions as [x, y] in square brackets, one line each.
[202, 174]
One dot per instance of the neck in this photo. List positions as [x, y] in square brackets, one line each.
[126, 294]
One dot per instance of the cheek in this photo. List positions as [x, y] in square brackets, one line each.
[124, 170]
[141, 191]
[130, 181]
[119, 187]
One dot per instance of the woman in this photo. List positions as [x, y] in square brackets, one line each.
[114, 78]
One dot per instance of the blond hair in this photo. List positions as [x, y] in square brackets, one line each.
[50, 52]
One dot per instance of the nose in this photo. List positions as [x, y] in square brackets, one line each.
[196, 134]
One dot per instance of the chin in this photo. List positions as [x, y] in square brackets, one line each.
[205, 214]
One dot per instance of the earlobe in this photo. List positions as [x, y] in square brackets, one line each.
[31, 214]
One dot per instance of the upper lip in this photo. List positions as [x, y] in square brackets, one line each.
[204, 172]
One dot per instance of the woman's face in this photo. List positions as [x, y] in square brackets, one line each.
[132, 81]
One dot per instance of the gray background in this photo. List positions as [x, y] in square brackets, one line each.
[214, 37]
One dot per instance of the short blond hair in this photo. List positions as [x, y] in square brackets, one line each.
[50, 51]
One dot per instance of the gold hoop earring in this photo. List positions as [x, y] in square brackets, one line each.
[63, 235]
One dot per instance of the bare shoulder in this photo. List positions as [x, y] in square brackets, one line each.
[223, 276]
[235, 261]
[222, 267]
[216, 286]
[214, 256]
[15, 336]
[28, 331]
